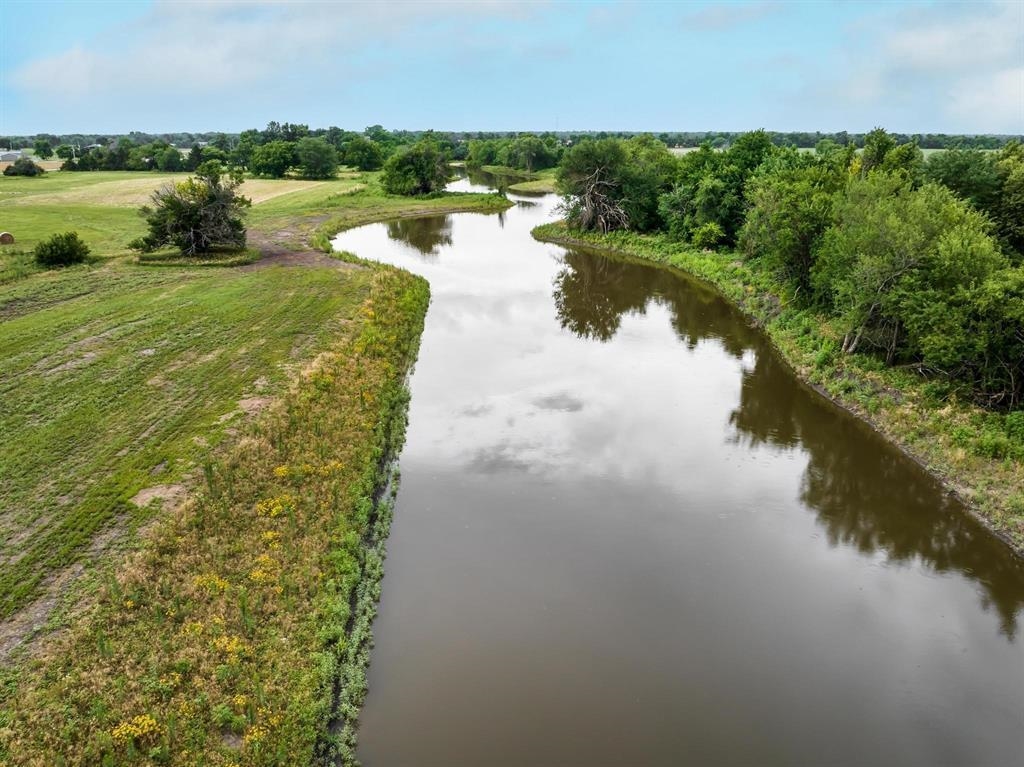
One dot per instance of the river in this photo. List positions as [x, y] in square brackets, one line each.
[627, 535]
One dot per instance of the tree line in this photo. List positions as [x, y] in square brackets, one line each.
[685, 139]
[917, 262]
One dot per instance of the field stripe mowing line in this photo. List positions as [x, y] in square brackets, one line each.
[111, 387]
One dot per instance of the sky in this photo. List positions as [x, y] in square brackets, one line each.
[175, 65]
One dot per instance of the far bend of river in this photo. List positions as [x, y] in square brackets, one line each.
[626, 535]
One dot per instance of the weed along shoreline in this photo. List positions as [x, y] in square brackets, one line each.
[891, 402]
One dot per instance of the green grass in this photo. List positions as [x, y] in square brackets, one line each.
[978, 454]
[222, 641]
[361, 200]
[543, 182]
[113, 372]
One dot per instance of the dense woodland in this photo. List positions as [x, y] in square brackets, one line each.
[918, 261]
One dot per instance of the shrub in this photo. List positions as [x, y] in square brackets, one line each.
[23, 167]
[61, 250]
[709, 235]
[420, 169]
[196, 215]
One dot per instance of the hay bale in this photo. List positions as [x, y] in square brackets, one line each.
[6, 238]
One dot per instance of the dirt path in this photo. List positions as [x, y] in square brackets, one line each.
[278, 249]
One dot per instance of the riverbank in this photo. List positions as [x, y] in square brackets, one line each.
[524, 181]
[223, 637]
[978, 455]
[220, 614]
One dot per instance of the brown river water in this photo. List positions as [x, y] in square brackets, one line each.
[627, 535]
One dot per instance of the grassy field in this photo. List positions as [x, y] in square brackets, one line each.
[103, 208]
[189, 476]
[542, 182]
[222, 640]
[972, 450]
[120, 376]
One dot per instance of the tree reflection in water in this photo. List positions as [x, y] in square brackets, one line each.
[427, 234]
[864, 492]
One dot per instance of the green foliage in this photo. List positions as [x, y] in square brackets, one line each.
[1009, 211]
[23, 166]
[420, 169]
[709, 235]
[611, 184]
[591, 180]
[788, 215]
[194, 159]
[524, 152]
[61, 250]
[877, 144]
[970, 173]
[197, 215]
[892, 255]
[43, 149]
[710, 187]
[170, 160]
[316, 158]
[363, 153]
[273, 159]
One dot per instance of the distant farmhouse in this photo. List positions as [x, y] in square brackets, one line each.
[10, 155]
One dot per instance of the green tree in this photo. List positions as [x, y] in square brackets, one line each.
[316, 158]
[790, 210]
[43, 149]
[970, 173]
[892, 254]
[197, 215]
[273, 159]
[877, 144]
[591, 178]
[1009, 211]
[65, 151]
[170, 160]
[363, 153]
[195, 158]
[241, 155]
[419, 169]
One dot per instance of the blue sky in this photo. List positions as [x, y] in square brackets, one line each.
[826, 65]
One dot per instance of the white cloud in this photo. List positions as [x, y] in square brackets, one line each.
[196, 48]
[993, 99]
[958, 43]
[962, 63]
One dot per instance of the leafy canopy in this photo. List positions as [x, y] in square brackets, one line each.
[197, 215]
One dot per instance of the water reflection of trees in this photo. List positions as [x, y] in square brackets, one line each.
[867, 495]
[426, 234]
[864, 493]
[593, 293]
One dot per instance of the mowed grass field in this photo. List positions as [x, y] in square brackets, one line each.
[117, 378]
[103, 208]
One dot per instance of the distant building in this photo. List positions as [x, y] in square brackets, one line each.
[11, 155]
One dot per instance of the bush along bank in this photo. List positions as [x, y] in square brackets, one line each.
[239, 632]
[977, 453]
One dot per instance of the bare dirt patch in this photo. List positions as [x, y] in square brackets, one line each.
[170, 495]
[28, 622]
